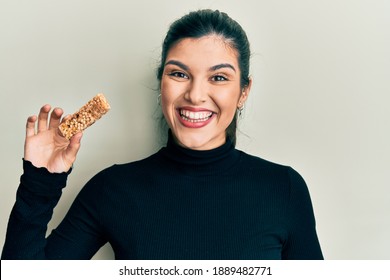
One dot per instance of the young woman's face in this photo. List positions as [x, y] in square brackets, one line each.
[200, 91]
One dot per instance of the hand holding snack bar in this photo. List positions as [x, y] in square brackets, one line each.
[54, 144]
[45, 146]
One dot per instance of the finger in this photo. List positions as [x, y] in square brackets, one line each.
[30, 126]
[73, 148]
[42, 117]
[62, 121]
[67, 117]
[55, 118]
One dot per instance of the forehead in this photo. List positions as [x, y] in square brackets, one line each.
[206, 50]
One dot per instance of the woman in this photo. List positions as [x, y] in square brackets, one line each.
[196, 198]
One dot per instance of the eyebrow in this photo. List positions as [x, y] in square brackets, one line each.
[222, 65]
[178, 63]
[212, 68]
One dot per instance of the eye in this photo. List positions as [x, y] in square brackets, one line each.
[219, 78]
[178, 74]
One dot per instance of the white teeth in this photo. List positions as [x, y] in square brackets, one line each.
[195, 116]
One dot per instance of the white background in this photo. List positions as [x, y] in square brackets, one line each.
[319, 101]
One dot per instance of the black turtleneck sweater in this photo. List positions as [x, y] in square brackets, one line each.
[175, 204]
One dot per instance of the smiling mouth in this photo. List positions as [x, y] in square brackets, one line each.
[195, 117]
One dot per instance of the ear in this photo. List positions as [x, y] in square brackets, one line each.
[244, 94]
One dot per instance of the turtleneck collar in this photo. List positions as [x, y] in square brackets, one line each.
[194, 162]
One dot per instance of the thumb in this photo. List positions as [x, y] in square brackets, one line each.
[73, 147]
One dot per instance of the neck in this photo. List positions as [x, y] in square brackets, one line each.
[200, 162]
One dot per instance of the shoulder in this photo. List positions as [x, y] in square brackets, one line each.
[253, 163]
[269, 169]
[123, 173]
[140, 165]
[282, 177]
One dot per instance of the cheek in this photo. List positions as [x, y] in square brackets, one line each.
[227, 102]
[165, 104]
[171, 91]
[168, 96]
[164, 90]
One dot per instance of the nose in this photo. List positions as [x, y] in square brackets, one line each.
[196, 93]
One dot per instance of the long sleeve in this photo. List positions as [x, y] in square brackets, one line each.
[36, 197]
[80, 234]
[38, 193]
[302, 241]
